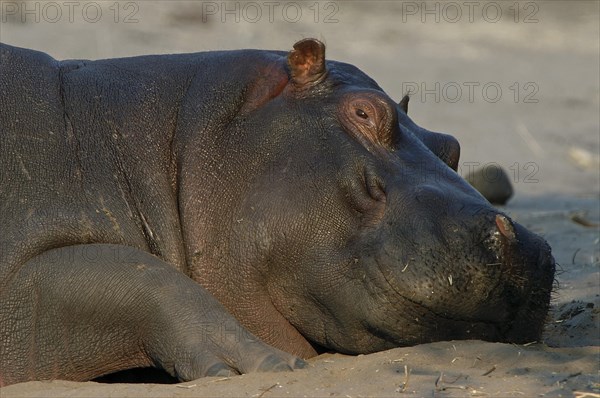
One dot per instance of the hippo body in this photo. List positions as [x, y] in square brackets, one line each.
[235, 211]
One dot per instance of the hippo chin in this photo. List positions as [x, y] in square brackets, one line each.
[228, 212]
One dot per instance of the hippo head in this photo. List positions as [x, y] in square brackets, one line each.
[348, 223]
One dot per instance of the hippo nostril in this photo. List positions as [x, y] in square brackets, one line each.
[505, 227]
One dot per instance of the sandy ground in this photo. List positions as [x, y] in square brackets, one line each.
[533, 109]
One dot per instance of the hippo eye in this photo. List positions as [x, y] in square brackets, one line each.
[369, 116]
[361, 114]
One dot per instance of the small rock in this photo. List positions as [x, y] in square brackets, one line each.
[492, 182]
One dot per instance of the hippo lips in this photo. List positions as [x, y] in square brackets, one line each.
[519, 328]
[444, 327]
[441, 327]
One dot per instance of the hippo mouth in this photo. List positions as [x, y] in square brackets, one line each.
[503, 298]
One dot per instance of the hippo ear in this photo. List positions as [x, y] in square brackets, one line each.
[307, 62]
[444, 146]
[404, 103]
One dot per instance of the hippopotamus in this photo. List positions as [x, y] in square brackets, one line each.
[226, 212]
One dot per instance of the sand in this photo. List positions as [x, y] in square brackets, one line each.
[533, 110]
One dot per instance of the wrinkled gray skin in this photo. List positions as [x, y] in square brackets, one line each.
[149, 204]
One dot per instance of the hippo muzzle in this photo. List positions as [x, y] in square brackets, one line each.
[459, 270]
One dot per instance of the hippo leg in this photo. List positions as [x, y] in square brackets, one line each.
[79, 312]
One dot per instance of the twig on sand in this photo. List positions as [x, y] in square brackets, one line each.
[439, 380]
[585, 394]
[574, 254]
[187, 386]
[489, 371]
[439, 383]
[267, 390]
[580, 219]
[570, 377]
[406, 377]
[221, 379]
[529, 139]
[196, 385]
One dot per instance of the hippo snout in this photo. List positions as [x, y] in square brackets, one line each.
[477, 274]
[529, 269]
[515, 283]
